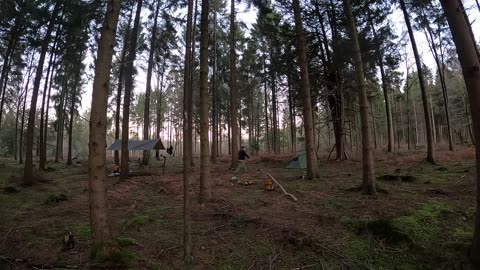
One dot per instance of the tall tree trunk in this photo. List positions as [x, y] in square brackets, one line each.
[367, 155]
[291, 109]
[214, 153]
[28, 170]
[24, 98]
[97, 178]
[130, 58]
[267, 134]
[421, 80]
[60, 116]
[205, 190]
[388, 110]
[45, 129]
[469, 57]
[434, 126]
[43, 157]
[7, 61]
[441, 74]
[72, 112]
[146, 113]
[187, 139]
[121, 72]
[159, 106]
[312, 169]
[408, 114]
[233, 88]
[274, 101]
[190, 101]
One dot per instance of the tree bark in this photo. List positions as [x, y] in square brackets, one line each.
[7, 61]
[267, 134]
[146, 113]
[187, 140]
[388, 110]
[368, 185]
[205, 190]
[97, 177]
[130, 58]
[24, 98]
[441, 74]
[28, 170]
[120, 87]
[469, 57]
[72, 112]
[312, 169]
[214, 153]
[43, 157]
[421, 80]
[233, 89]
[59, 143]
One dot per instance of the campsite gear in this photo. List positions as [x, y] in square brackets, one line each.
[233, 179]
[269, 185]
[248, 183]
[298, 162]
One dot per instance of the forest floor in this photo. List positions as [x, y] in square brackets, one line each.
[424, 222]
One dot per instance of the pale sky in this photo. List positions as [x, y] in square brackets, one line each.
[249, 17]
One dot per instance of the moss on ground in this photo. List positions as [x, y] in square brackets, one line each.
[410, 241]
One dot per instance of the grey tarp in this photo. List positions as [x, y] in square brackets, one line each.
[138, 145]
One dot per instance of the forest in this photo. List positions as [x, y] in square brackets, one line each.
[241, 134]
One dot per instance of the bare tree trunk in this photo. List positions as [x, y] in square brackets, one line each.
[159, 106]
[205, 190]
[187, 140]
[233, 88]
[312, 169]
[291, 108]
[60, 116]
[97, 178]
[146, 113]
[46, 88]
[434, 128]
[7, 62]
[214, 153]
[373, 126]
[72, 113]
[441, 73]
[130, 58]
[267, 137]
[469, 57]
[121, 72]
[24, 98]
[421, 80]
[367, 155]
[28, 170]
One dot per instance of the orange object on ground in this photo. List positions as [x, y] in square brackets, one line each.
[269, 185]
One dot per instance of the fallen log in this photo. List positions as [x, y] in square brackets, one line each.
[281, 187]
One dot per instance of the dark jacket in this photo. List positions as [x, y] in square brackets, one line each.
[242, 155]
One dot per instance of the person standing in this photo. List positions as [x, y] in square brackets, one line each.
[242, 160]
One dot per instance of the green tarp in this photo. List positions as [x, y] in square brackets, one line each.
[298, 162]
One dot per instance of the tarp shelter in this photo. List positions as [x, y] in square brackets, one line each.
[138, 145]
[298, 162]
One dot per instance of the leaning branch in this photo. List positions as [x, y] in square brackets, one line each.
[284, 191]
